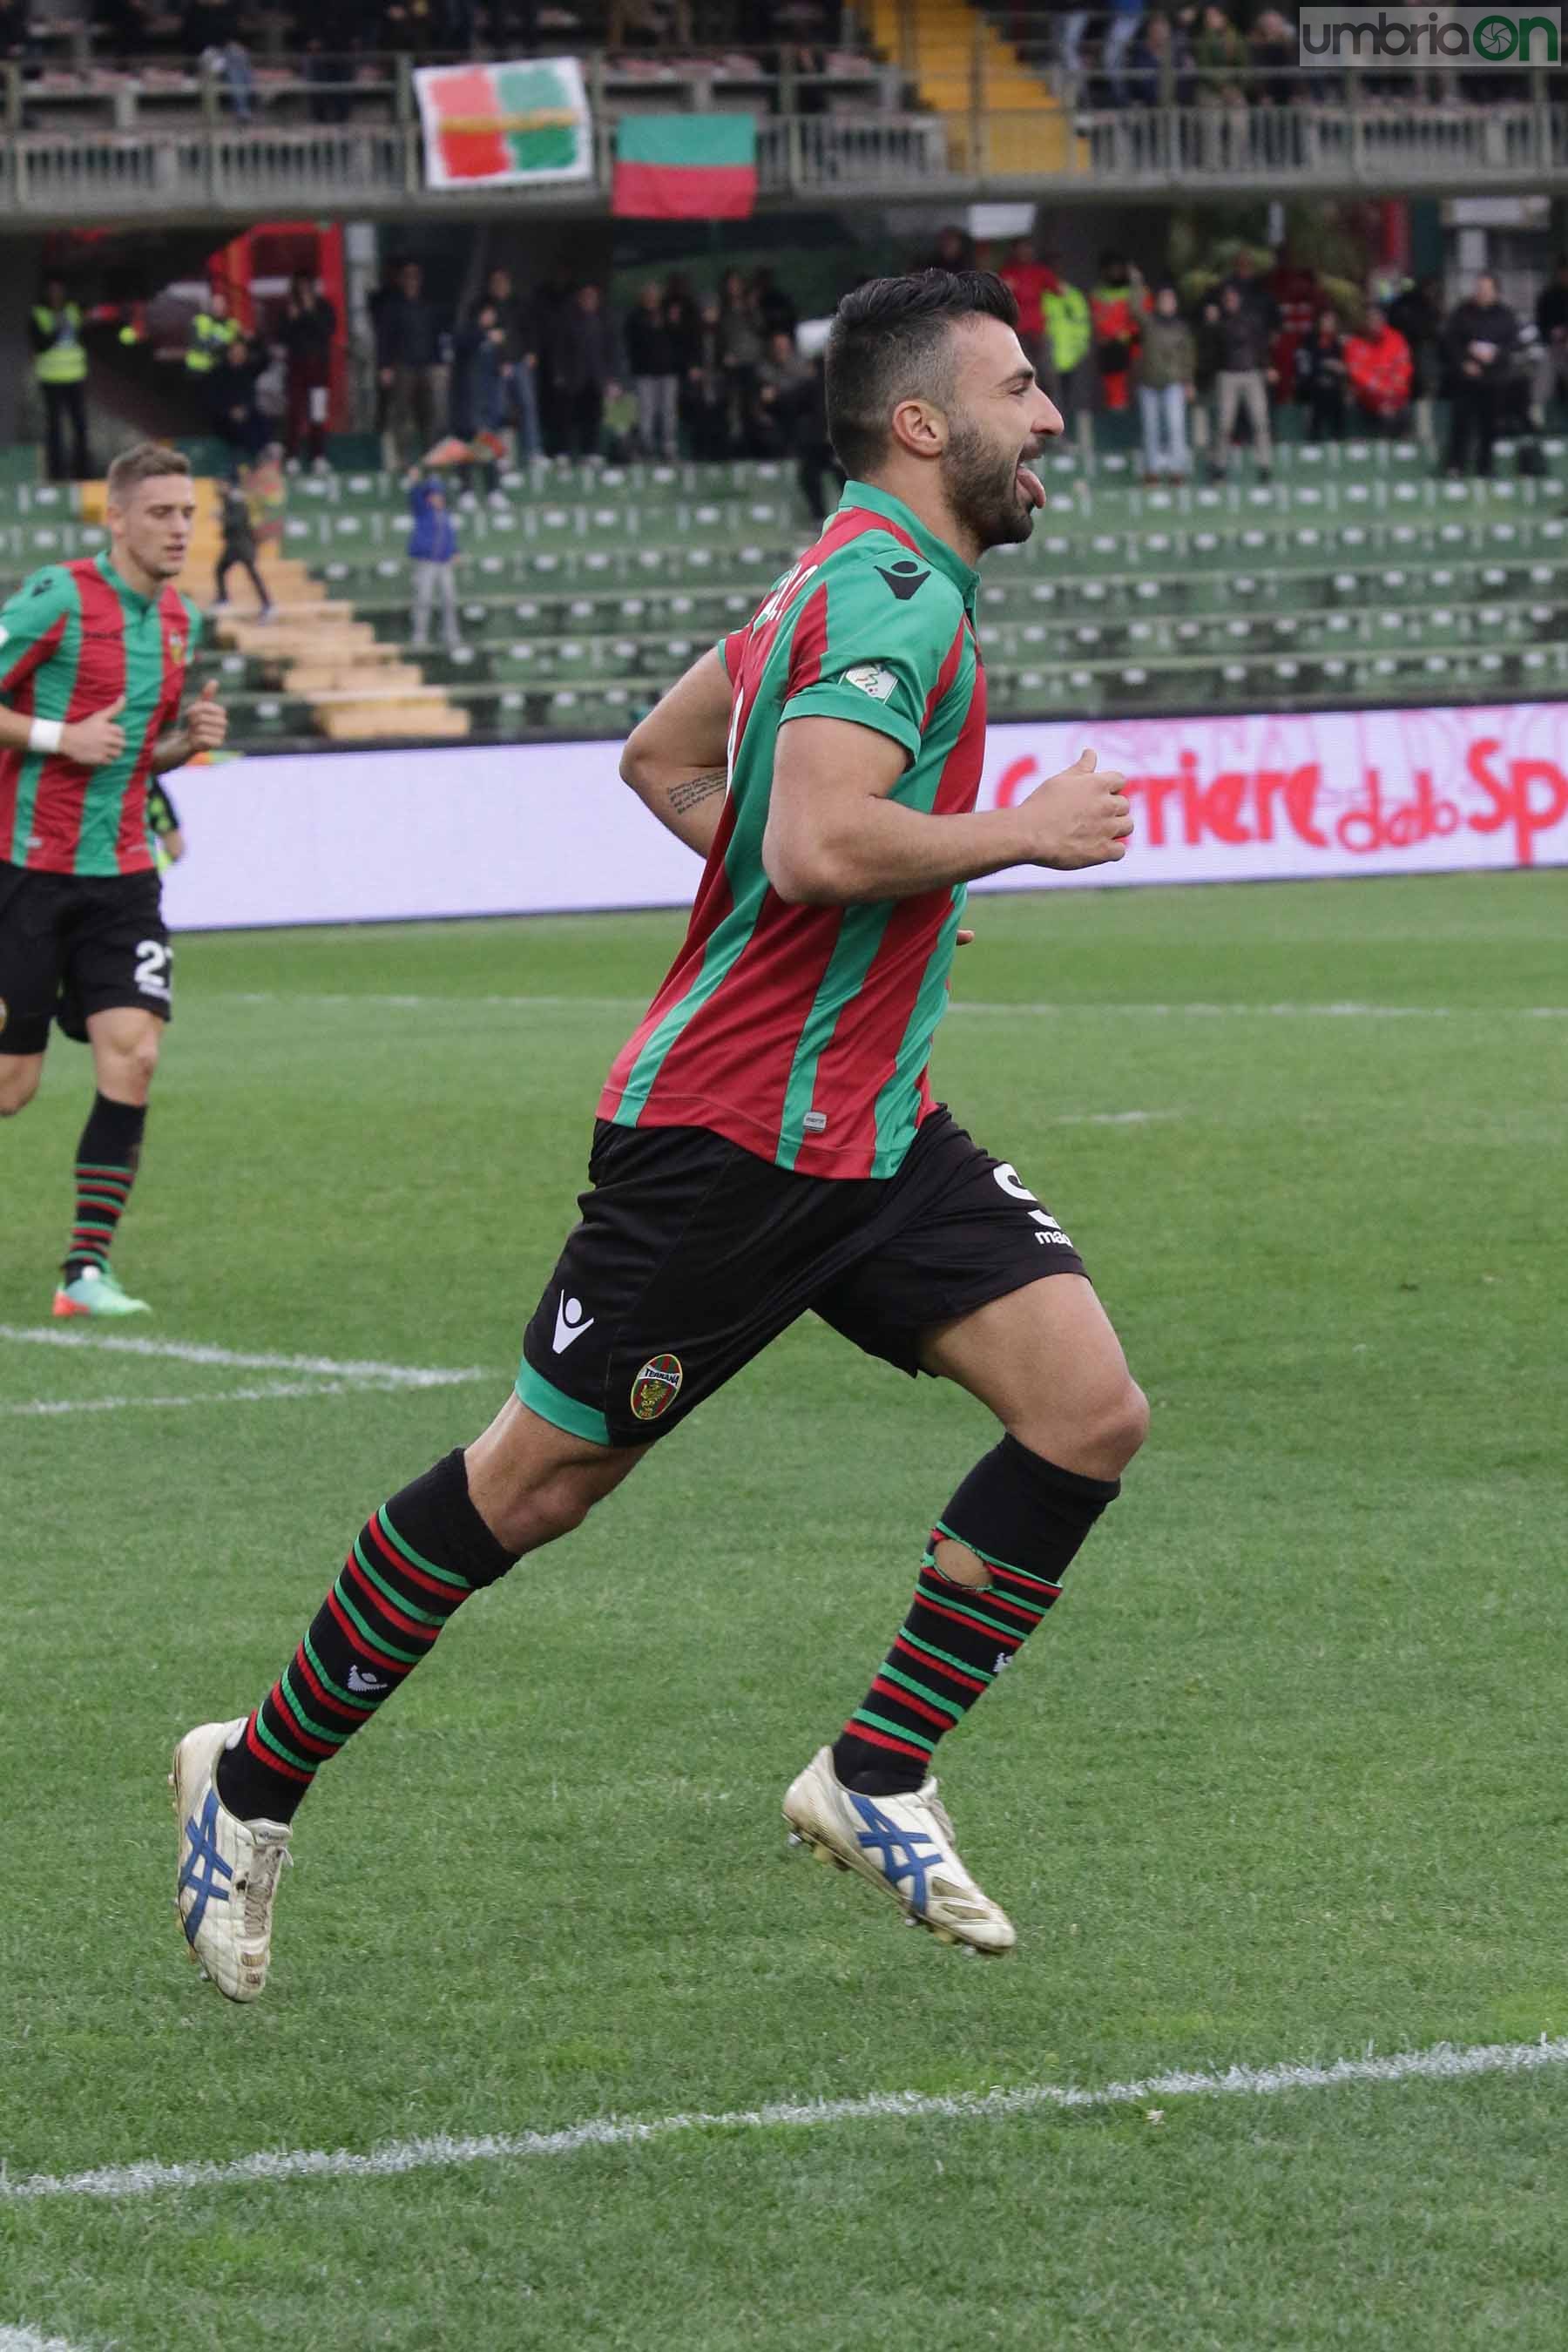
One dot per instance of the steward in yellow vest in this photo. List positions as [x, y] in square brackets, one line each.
[211, 332]
[59, 370]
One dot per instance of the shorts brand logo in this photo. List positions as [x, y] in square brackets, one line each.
[569, 1323]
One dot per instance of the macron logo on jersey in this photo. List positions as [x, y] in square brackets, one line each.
[905, 578]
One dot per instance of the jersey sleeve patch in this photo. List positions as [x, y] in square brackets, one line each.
[887, 626]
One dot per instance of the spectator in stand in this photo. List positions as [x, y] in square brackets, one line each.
[648, 24]
[584, 365]
[1159, 66]
[237, 417]
[210, 334]
[519, 351]
[1115, 309]
[1293, 289]
[1254, 291]
[1477, 344]
[1219, 55]
[784, 389]
[1206, 336]
[653, 368]
[408, 362]
[954, 249]
[1551, 326]
[230, 63]
[237, 526]
[706, 405]
[1069, 332]
[1272, 53]
[1072, 24]
[1028, 281]
[740, 349]
[1416, 312]
[1321, 377]
[683, 324]
[59, 370]
[432, 552]
[481, 393]
[309, 325]
[16, 45]
[329, 75]
[1167, 371]
[1242, 381]
[1378, 365]
[1125, 16]
[817, 462]
[775, 309]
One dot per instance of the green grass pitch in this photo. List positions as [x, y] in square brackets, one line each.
[1282, 1779]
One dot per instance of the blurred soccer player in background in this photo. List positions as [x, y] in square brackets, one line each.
[93, 655]
[768, 1143]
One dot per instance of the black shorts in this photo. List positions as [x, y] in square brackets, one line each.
[693, 1254]
[71, 945]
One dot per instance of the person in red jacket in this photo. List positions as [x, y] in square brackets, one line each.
[1029, 281]
[1115, 307]
[1380, 370]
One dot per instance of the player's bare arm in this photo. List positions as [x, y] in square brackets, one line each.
[835, 838]
[95, 741]
[204, 728]
[676, 760]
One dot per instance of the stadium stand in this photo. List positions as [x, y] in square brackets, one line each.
[1353, 578]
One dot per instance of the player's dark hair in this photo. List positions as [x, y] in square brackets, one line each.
[889, 343]
[145, 463]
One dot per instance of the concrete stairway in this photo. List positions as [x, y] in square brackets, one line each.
[957, 55]
[357, 687]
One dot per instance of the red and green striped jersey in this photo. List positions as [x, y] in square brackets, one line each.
[73, 639]
[802, 1033]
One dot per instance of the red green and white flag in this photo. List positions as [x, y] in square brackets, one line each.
[684, 167]
[525, 124]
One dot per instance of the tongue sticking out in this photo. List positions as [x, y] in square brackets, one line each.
[1033, 488]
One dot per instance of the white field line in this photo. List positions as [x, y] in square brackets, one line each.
[1198, 1012]
[191, 1351]
[39, 1408]
[1442, 2063]
[1346, 1012]
[1111, 1118]
[27, 2339]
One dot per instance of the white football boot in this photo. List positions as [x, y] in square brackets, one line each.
[229, 1869]
[903, 1844]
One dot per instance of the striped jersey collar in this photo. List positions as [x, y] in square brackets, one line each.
[117, 580]
[936, 552]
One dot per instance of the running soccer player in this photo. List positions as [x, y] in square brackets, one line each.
[768, 1142]
[93, 656]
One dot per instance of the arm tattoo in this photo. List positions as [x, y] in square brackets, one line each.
[696, 789]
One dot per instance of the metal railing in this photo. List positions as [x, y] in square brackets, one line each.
[132, 93]
[200, 173]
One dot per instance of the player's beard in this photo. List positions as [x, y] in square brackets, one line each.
[981, 484]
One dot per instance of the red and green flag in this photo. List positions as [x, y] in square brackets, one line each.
[518, 124]
[684, 167]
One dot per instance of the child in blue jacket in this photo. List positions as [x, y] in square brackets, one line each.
[432, 551]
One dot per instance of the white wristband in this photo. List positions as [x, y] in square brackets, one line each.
[45, 734]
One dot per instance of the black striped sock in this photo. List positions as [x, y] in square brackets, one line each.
[107, 1158]
[412, 1565]
[1026, 1519]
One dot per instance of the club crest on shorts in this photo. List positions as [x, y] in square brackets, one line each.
[657, 1386]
